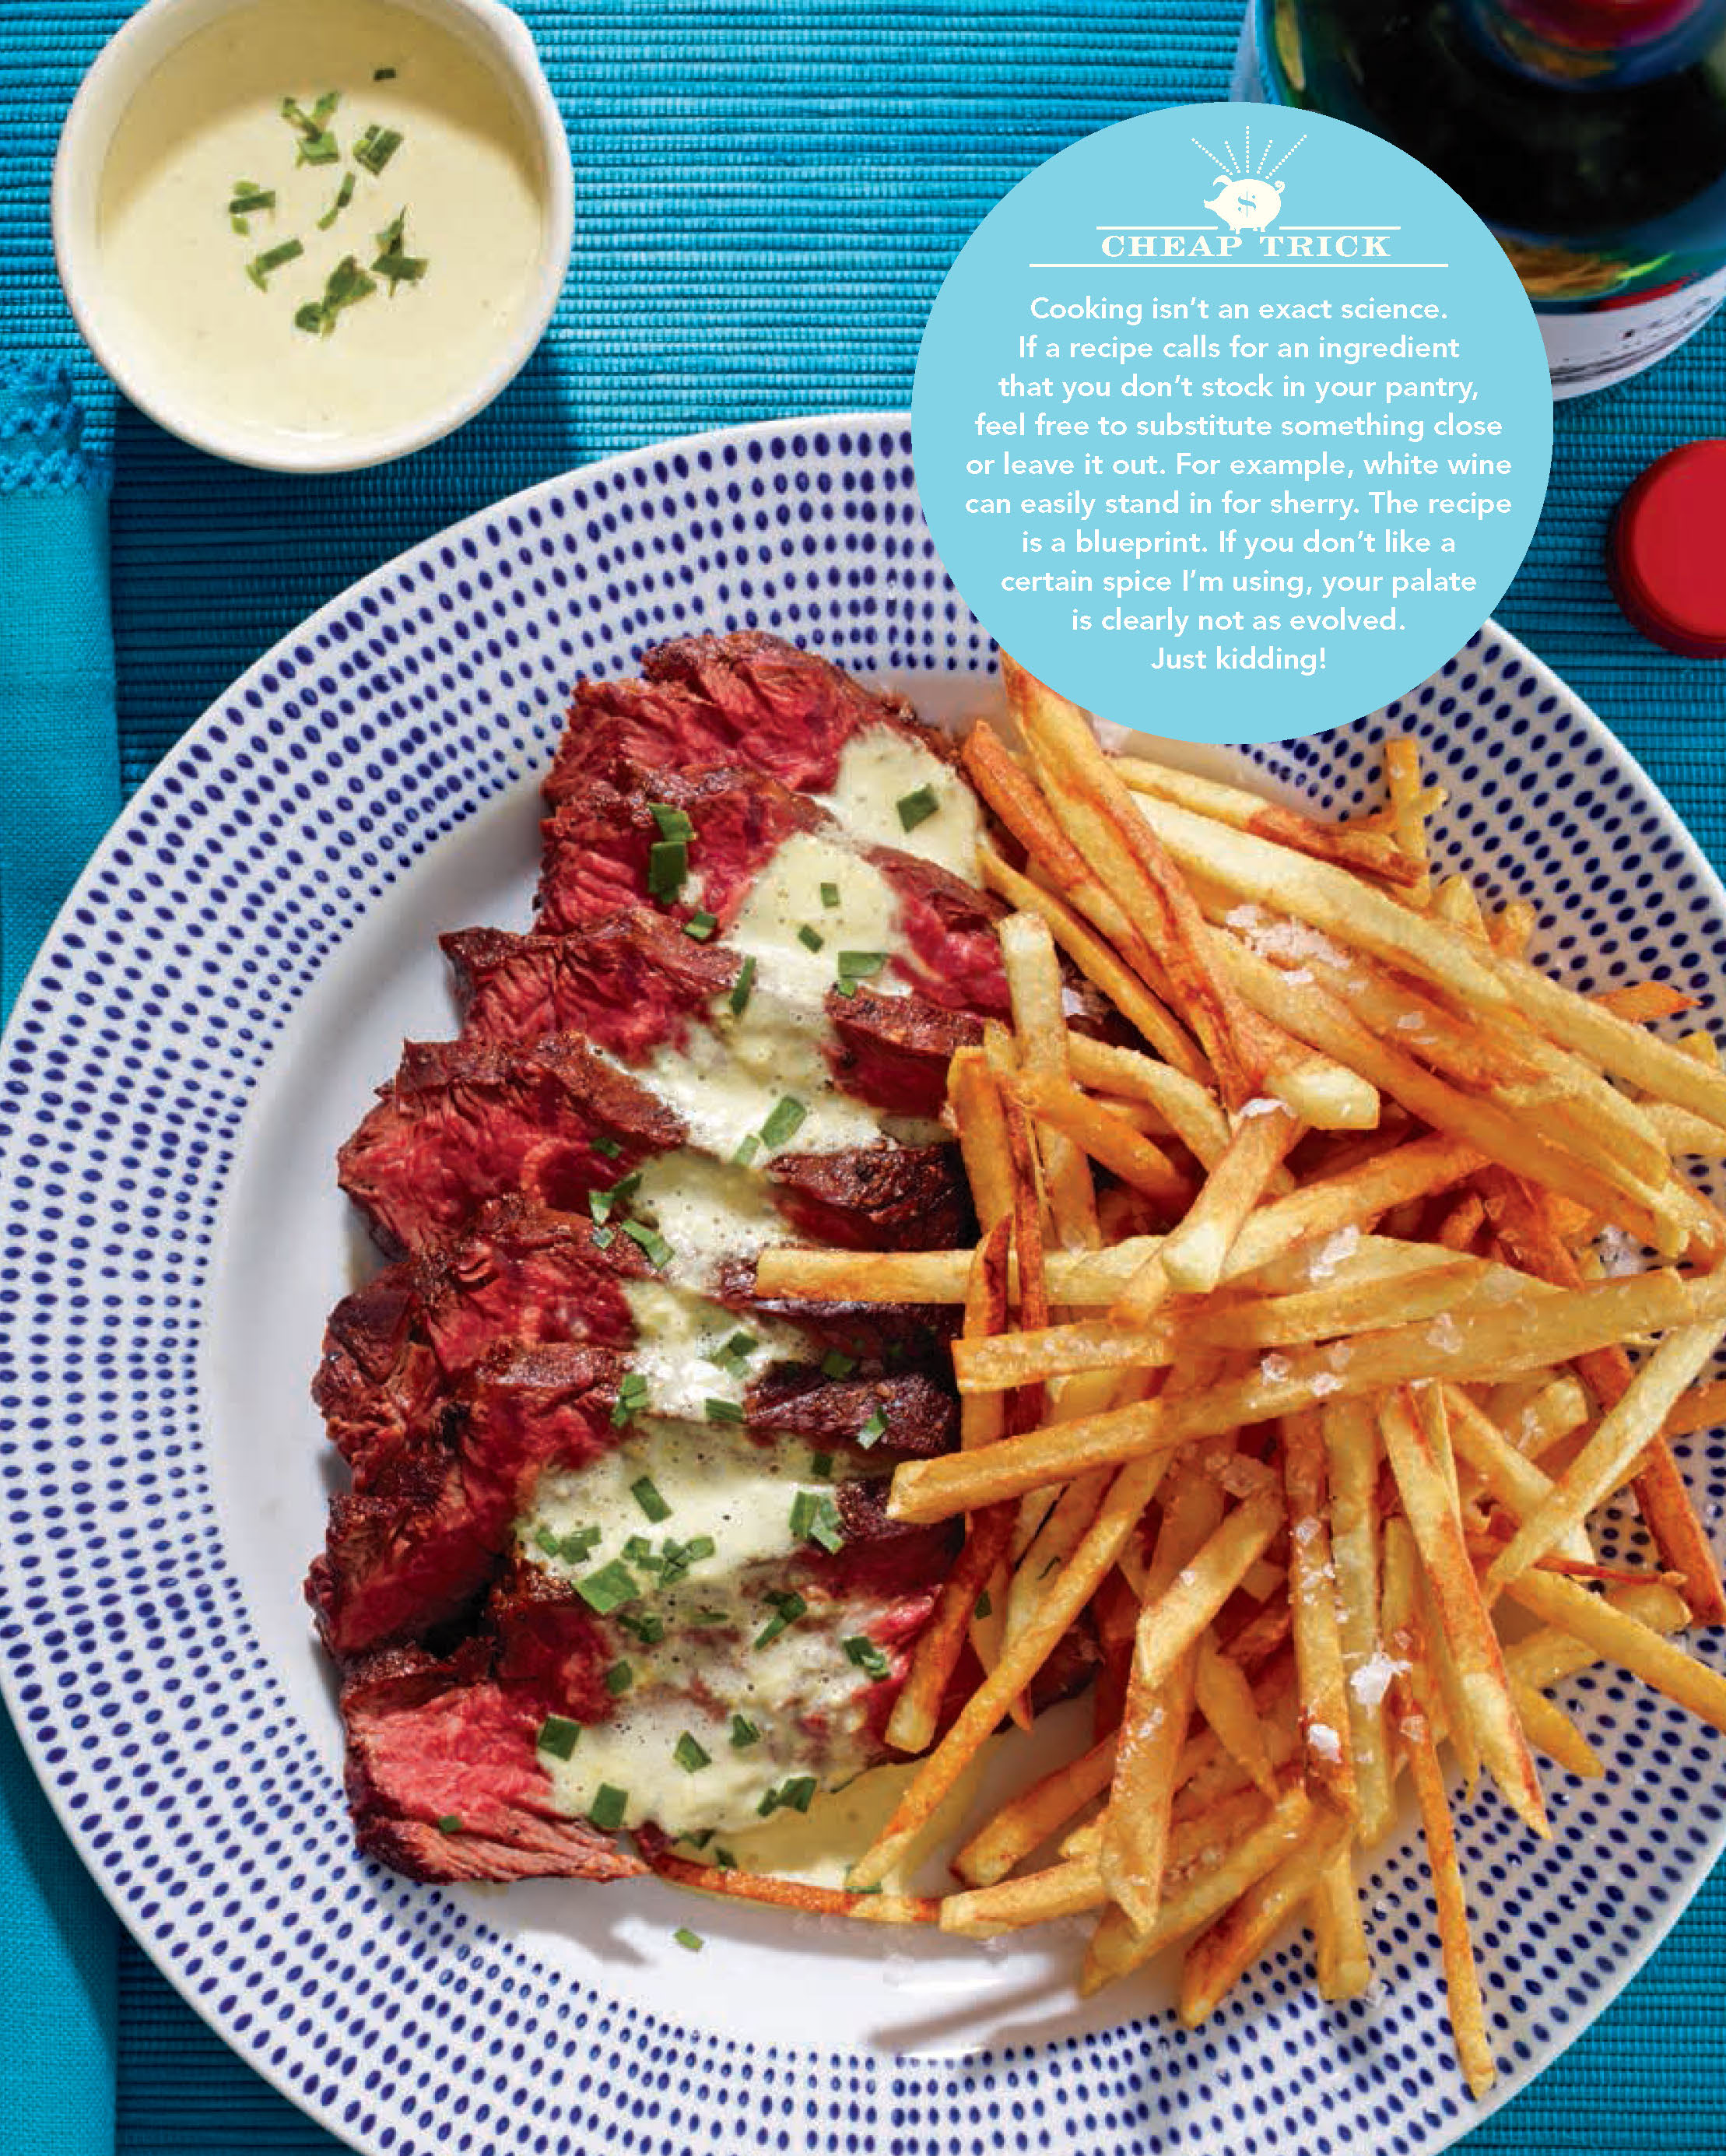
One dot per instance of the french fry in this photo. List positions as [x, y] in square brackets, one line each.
[1135, 1846]
[1550, 1730]
[974, 1101]
[1188, 1108]
[1508, 1476]
[1518, 1335]
[1064, 1890]
[1431, 1504]
[1408, 811]
[1033, 980]
[1351, 1451]
[1611, 1455]
[1224, 1696]
[1453, 901]
[1099, 964]
[795, 1894]
[1542, 1659]
[1327, 1753]
[1194, 1254]
[1130, 1492]
[1345, 843]
[1116, 1950]
[1105, 1135]
[1512, 928]
[1027, 1820]
[1413, 1732]
[1342, 1960]
[1619, 1637]
[1641, 1002]
[1218, 1958]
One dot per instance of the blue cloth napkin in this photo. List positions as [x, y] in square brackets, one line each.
[60, 789]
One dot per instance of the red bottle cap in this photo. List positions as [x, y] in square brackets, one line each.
[1667, 558]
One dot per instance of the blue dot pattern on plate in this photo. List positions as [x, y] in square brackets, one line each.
[388, 720]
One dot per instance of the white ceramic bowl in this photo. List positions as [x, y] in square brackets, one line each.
[495, 35]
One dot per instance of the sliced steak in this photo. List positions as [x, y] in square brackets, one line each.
[459, 1124]
[443, 1779]
[597, 842]
[634, 983]
[878, 1198]
[415, 1548]
[748, 698]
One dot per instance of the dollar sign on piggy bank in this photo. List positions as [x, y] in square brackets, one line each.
[1247, 205]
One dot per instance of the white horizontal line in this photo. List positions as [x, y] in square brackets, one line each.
[1177, 264]
[1342, 228]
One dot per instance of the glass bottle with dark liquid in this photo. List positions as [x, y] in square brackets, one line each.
[1590, 135]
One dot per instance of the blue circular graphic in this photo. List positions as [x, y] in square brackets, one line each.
[1252, 458]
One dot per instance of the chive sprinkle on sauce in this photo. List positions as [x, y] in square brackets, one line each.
[393, 262]
[608, 1807]
[917, 808]
[376, 147]
[347, 285]
[317, 145]
[691, 1942]
[259, 267]
[559, 1736]
[344, 195]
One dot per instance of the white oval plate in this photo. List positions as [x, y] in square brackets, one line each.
[234, 974]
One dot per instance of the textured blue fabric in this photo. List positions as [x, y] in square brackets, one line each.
[59, 789]
[767, 194]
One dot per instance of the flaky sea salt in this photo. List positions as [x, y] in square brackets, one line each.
[1324, 1385]
[1620, 1253]
[1333, 1252]
[1444, 1333]
[1372, 1680]
[1263, 1105]
[1323, 1740]
[1274, 1368]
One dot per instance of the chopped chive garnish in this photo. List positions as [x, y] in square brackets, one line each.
[259, 267]
[548, 1542]
[794, 1795]
[393, 262]
[344, 195]
[705, 1621]
[678, 1557]
[815, 1518]
[725, 1860]
[639, 1550]
[383, 75]
[609, 1587]
[787, 1608]
[843, 987]
[619, 1678]
[649, 1630]
[317, 145]
[985, 1604]
[581, 1543]
[810, 938]
[690, 1755]
[858, 965]
[744, 1732]
[692, 1941]
[247, 201]
[867, 1656]
[608, 1807]
[746, 1151]
[734, 1356]
[647, 1496]
[607, 1148]
[449, 1823]
[673, 822]
[741, 987]
[830, 893]
[873, 1430]
[668, 864]
[698, 1840]
[701, 926]
[601, 1203]
[722, 1411]
[240, 225]
[784, 1122]
[631, 1398]
[916, 808]
[376, 147]
[346, 284]
[603, 1238]
[821, 1463]
[836, 1363]
[558, 1735]
[653, 1244]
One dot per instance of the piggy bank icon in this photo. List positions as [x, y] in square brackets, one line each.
[1247, 205]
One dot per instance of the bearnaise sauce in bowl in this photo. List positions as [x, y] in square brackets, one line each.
[314, 234]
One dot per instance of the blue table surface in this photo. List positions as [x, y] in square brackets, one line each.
[767, 194]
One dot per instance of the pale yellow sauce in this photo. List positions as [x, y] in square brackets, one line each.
[877, 770]
[725, 1082]
[467, 173]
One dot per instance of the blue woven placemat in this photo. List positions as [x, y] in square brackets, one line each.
[722, 148]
